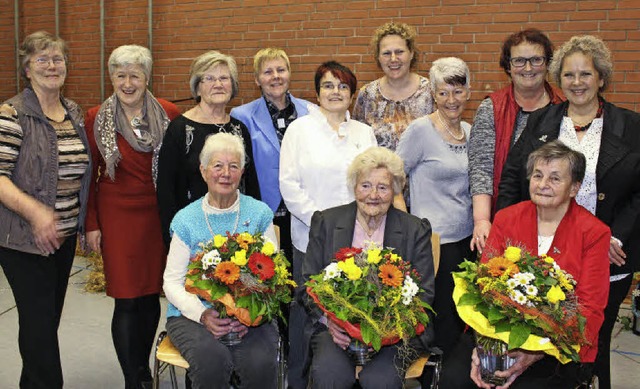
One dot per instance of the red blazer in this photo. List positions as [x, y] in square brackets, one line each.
[580, 247]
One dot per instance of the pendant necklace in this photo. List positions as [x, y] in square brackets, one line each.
[235, 227]
[448, 128]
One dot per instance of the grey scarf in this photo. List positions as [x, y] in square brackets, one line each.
[111, 120]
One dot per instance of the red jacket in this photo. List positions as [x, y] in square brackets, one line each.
[580, 247]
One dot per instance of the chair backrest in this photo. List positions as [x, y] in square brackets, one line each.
[435, 248]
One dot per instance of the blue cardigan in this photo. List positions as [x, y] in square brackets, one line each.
[266, 147]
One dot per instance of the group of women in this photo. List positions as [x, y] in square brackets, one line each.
[147, 184]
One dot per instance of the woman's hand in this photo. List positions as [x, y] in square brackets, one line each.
[94, 240]
[218, 327]
[475, 371]
[481, 230]
[43, 226]
[616, 255]
[340, 337]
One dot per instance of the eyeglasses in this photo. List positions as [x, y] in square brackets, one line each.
[330, 86]
[209, 79]
[44, 62]
[519, 62]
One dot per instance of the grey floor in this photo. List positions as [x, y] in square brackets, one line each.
[89, 361]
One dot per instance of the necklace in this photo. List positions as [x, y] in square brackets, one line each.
[446, 126]
[235, 227]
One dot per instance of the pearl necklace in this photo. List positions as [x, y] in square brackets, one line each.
[235, 227]
[446, 126]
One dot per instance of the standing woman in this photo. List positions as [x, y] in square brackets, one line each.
[213, 83]
[501, 117]
[434, 150]
[390, 103]
[44, 182]
[267, 119]
[608, 136]
[316, 152]
[125, 134]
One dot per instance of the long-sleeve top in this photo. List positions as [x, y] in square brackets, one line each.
[580, 247]
[438, 179]
[313, 167]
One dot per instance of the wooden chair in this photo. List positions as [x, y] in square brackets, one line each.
[434, 359]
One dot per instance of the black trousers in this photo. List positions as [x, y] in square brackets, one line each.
[39, 286]
[602, 367]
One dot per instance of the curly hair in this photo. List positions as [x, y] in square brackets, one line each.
[530, 35]
[375, 158]
[403, 30]
[590, 46]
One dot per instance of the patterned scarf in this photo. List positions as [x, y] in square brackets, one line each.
[111, 120]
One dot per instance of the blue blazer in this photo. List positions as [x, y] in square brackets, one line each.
[266, 147]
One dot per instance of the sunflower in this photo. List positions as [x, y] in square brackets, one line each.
[499, 265]
[390, 275]
[227, 272]
[262, 266]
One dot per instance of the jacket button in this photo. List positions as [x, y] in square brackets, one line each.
[600, 196]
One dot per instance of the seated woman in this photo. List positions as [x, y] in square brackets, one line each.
[552, 222]
[193, 325]
[375, 176]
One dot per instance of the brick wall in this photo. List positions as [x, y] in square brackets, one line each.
[312, 31]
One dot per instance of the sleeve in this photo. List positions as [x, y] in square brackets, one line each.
[250, 176]
[496, 240]
[422, 261]
[270, 235]
[592, 288]
[91, 220]
[410, 147]
[169, 163]
[170, 108]
[295, 196]
[482, 145]
[358, 107]
[511, 190]
[314, 262]
[174, 278]
[10, 139]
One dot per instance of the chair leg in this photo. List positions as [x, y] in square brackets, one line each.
[156, 362]
[282, 365]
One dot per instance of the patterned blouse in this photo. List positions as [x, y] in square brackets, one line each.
[390, 118]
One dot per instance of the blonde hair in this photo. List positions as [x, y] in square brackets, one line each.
[268, 54]
[591, 46]
[377, 158]
[403, 30]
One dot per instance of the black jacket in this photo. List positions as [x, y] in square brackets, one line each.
[617, 171]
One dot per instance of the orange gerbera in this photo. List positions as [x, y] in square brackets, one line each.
[227, 272]
[390, 275]
[499, 265]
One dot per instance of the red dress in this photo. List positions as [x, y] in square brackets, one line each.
[125, 210]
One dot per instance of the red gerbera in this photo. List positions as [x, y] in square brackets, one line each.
[262, 266]
[347, 252]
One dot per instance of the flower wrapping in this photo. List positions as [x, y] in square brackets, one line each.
[526, 301]
[372, 294]
[243, 276]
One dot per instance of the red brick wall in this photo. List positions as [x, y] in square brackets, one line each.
[312, 31]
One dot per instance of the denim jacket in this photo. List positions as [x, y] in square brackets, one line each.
[36, 170]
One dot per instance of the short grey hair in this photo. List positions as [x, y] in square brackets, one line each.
[591, 46]
[451, 71]
[209, 60]
[222, 142]
[131, 55]
[556, 150]
[375, 158]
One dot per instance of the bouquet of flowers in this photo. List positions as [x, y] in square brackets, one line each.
[526, 301]
[372, 294]
[243, 276]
